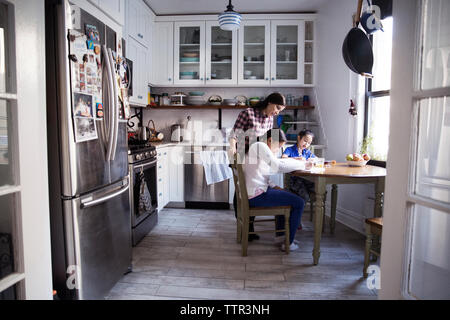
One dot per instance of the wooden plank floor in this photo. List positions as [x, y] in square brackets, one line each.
[193, 254]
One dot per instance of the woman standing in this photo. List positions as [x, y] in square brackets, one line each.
[251, 124]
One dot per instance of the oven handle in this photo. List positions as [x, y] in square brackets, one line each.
[144, 165]
[103, 199]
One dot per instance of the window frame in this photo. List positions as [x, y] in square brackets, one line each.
[368, 93]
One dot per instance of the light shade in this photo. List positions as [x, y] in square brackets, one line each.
[230, 20]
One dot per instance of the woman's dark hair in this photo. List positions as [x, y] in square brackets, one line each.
[274, 98]
[306, 132]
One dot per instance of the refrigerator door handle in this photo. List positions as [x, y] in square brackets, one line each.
[110, 100]
[103, 199]
[115, 106]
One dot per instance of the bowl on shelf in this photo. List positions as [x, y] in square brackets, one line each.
[196, 93]
[215, 100]
[195, 101]
[253, 101]
[230, 102]
[360, 163]
[188, 73]
[184, 59]
[190, 54]
[247, 73]
[242, 100]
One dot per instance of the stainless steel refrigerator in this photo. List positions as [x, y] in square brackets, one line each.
[87, 152]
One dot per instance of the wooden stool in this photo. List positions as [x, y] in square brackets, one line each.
[374, 227]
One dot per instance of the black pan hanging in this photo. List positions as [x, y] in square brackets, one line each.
[357, 49]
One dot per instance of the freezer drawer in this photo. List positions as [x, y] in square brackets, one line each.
[98, 241]
[196, 189]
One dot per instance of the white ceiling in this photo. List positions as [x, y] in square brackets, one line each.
[169, 7]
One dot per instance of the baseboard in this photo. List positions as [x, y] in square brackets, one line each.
[351, 219]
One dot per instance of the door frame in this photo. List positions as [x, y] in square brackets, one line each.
[31, 217]
[401, 164]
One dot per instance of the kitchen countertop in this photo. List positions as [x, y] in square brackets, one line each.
[164, 144]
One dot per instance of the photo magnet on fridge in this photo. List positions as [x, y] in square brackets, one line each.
[92, 33]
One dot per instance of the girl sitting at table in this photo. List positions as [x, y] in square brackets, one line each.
[300, 151]
[260, 164]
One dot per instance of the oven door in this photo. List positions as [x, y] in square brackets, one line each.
[143, 171]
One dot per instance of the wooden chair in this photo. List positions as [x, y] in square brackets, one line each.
[374, 227]
[244, 212]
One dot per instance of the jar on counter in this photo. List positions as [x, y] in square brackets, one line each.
[165, 100]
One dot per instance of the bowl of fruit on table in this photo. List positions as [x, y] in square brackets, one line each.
[357, 160]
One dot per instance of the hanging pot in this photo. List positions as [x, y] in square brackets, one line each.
[357, 49]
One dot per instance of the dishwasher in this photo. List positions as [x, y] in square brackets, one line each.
[197, 194]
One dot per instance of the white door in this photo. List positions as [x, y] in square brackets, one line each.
[25, 251]
[415, 255]
[189, 53]
[287, 52]
[221, 55]
[162, 56]
[254, 53]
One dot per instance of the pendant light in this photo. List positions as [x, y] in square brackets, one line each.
[230, 20]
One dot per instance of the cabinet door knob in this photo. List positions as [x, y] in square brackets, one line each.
[267, 79]
[139, 97]
[201, 79]
[170, 79]
[140, 35]
[207, 78]
[273, 78]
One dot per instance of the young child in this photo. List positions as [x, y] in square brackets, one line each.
[300, 150]
[260, 164]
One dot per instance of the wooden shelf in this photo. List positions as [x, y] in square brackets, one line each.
[207, 106]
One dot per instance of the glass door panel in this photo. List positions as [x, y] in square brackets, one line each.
[189, 53]
[254, 52]
[221, 54]
[287, 55]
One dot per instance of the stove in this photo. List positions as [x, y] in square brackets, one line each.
[140, 150]
[143, 188]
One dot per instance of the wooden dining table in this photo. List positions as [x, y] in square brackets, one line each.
[340, 173]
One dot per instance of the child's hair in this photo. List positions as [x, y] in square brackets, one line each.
[306, 132]
[268, 135]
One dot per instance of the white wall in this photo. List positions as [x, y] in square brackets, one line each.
[336, 85]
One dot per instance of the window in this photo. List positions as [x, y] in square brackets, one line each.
[377, 102]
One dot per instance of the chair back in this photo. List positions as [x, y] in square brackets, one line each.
[240, 186]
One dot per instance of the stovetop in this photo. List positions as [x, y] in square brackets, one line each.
[140, 150]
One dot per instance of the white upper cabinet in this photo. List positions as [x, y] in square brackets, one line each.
[189, 53]
[274, 50]
[139, 21]
[254, 53]
[162, 57]
[113, 8]
[221, 55]
[287, 52]
[139, 78]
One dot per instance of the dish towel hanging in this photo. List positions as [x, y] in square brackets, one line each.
[145, 199]
[216, 166]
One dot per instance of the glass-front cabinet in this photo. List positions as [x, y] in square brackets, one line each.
[254, 53]
[221, 55]
[189, 53]
[287, 65]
